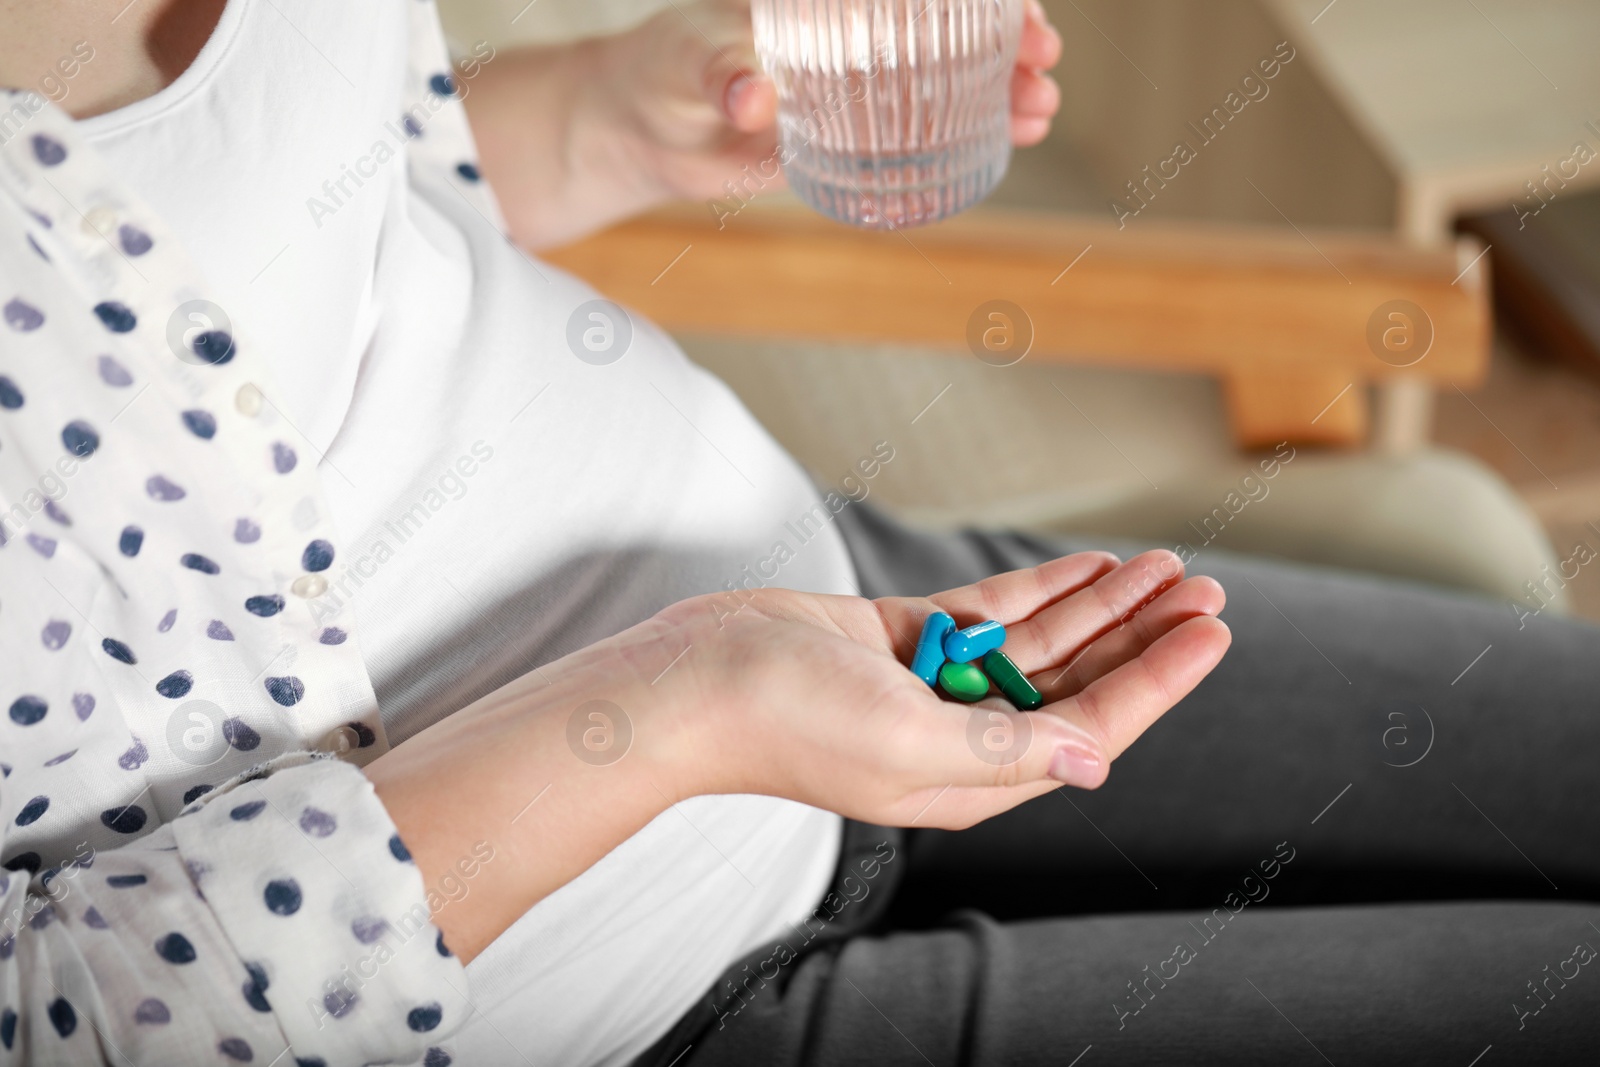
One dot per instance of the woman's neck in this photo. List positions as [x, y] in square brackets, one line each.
[134, 49]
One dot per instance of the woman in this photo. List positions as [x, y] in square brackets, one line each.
[298, 462]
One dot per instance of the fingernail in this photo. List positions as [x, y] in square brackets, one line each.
[736, 92]
[1076, 765]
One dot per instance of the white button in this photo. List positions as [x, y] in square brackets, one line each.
[248, 400]
[101, 220]
[310, 586]
[340, 741]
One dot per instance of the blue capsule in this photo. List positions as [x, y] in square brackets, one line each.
[930, 647]
[964, 646]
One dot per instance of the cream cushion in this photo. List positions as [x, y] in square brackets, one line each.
[1074, 449]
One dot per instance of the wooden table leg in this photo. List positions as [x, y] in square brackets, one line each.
[1297, 404]
[1403, 420]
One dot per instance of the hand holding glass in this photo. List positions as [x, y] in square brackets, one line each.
[891, 113]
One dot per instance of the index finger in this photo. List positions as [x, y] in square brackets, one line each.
[1019, 594]
[1005, 597]
[1116, 708]
[1041, 44]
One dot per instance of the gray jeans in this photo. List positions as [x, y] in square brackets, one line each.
[1371, 836]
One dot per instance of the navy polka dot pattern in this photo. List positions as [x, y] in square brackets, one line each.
[369, 929]
[240, 736]
[22, 316]
[213, 346]
[164, 681]
[318, 823]
[134, 241]
[318, 556]
[340, 1002]
[159, 487]
[200, 423]
[264, 606]
[63, 1017]
[27, 710]
[48, 151]
[175, 948]
[283, 897]
[428, 1017]
[255, 987]
[176, 685]
[116, 317]
[24, 861]
[113, 373]
[33, 811]
[55, 634]
[80, 439]
[130, 541]
[236, 1048]
[134, 757]
[286, 691]
[125, 820]
[246, 812]
[196, 562]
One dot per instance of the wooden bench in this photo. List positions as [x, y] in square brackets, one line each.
[1280, 317]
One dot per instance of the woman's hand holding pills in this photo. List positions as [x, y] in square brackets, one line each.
[796, 695]
[811, 697]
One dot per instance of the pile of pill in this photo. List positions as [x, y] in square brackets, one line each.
[945, 658]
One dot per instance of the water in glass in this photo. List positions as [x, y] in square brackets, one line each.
[891, 112]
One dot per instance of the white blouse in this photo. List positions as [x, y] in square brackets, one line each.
[217, 545]
[172, 898]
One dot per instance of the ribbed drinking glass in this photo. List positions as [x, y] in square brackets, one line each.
[891, 112]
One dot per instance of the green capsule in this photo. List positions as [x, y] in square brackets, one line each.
[1012, 682]
[964, 681]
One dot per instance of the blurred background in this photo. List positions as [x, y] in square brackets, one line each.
[1412, 123]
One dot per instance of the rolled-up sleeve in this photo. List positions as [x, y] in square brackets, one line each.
[280, 919]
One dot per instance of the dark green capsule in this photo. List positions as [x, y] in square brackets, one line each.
[964, 681]
[1012, 682]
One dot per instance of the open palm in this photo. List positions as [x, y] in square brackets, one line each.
[818, 706]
